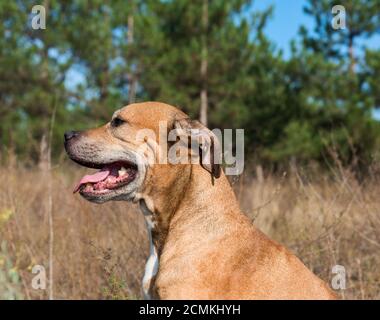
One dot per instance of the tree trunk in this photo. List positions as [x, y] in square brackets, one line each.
[11, 156]
[204, 65]
[351, 53]
[43, 161]
[44, 152]
[132, 76]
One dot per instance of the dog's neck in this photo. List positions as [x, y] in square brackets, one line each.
[151, 266]
[187, 207]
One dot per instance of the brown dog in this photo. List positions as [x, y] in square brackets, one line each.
[202, 246]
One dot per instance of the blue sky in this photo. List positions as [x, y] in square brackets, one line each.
[284, 25]
[287, 18]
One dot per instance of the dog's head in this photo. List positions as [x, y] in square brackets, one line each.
[131, 159]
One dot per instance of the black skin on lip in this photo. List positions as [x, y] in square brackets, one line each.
[92, 165]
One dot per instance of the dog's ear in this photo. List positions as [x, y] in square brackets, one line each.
[208, 142]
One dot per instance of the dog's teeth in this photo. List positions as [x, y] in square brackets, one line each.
[122, 171]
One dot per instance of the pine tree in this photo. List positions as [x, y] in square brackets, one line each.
[193, 53]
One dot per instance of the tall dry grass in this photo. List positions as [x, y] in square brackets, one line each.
[100, 250]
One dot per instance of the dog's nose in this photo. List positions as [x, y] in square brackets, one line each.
[70, 134]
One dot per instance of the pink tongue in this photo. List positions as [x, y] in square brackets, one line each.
[93, 178]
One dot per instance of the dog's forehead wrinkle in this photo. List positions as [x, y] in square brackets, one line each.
[116, 113]
[149, 114]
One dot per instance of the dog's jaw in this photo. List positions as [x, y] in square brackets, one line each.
[130, 192]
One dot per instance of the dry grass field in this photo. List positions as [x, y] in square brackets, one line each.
[99, 251]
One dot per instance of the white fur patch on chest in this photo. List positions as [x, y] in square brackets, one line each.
[151, 267]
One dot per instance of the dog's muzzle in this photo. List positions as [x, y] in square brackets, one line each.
[120, 173]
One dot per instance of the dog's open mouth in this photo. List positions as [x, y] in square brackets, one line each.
[110, 177]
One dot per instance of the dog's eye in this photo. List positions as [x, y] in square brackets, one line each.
[116, 122]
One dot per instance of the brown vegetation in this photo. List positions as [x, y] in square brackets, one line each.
[100, 250]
